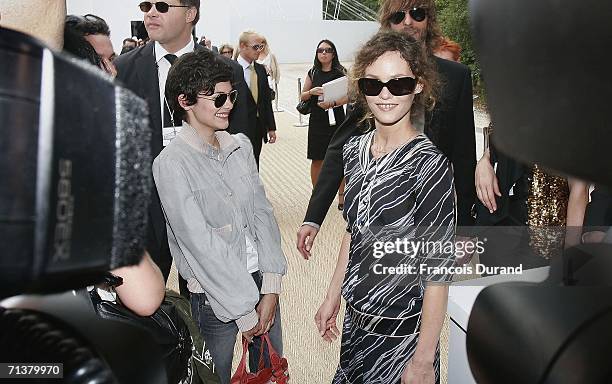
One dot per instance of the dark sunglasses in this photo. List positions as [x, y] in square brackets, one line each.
[88, 18]
[398, 87]
[416, 13]
[224, 52]
[220, 98]
[161, 6]
[91, 17]
[258, 47]
[325, 50]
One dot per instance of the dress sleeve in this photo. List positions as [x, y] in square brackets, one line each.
[332, 171]
[435, 219]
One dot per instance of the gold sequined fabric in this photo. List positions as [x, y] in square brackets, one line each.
[547, 212]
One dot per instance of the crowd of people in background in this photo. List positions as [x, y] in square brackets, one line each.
[399, 150]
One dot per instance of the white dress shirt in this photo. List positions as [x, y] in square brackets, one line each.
[246, 68]
[163, 66]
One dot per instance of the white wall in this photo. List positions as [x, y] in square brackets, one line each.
[292, 27]
[117, 13]
[296, 42]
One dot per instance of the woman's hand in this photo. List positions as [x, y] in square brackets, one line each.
[316, 91]
[326, 104]
[256, 330]
[418, 373]
[266, 309]
[325, 319]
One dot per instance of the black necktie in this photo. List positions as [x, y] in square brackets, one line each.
[167, 118]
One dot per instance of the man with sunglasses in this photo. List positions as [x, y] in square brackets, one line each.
[450, 125]
[261, 124]
[144, 70]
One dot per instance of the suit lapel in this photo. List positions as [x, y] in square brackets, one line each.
[148, 79]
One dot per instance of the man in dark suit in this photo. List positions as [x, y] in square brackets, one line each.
[206, 43]
[261, 125]
[144, 71]
[450, 125]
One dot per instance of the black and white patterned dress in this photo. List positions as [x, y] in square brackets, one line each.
[405, 194]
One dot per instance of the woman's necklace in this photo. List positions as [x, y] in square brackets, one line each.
[380, 150]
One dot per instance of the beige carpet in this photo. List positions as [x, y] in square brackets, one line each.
[285, 173]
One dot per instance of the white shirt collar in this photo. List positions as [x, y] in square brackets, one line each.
[160, 51]
[245, 64]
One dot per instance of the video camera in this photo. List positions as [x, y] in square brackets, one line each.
[544, 65]
[76, 179]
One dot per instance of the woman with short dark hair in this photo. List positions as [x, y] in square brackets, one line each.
[222, 233]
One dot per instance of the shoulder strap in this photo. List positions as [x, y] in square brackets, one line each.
[312, 71]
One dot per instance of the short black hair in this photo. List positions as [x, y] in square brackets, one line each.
[129, 40]
[88, 24]
[192, 74]
[75, 44]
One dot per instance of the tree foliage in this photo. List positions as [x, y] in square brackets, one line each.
[454, 21]
[372, 4]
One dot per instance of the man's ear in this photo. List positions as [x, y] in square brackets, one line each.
[191, 15]
[419, 88]
[182, 99]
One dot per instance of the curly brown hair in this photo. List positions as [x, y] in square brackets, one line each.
[432, 32]
[410, 50]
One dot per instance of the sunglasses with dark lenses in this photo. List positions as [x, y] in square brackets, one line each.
[87, 19]
[161, 6]
[325, 50]
[258, 47]
[398, 87]
[220, 98]
[226, 52]
[416, 13]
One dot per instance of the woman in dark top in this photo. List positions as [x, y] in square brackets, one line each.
[399, 189]
[326, 68]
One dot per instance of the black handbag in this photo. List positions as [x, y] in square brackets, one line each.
[169, 328]
[165, 327]
[305, 107]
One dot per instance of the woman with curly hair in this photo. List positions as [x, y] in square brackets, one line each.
[399, 191]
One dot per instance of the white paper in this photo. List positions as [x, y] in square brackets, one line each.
[335, 89]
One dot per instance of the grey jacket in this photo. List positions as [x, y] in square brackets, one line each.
[211, 198]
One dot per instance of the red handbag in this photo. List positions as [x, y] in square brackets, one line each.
[278, 373]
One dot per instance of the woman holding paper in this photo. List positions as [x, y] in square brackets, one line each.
[325, 116]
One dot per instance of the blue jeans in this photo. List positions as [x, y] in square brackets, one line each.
[220, 337]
